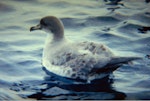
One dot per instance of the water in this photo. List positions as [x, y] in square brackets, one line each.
[118, 25]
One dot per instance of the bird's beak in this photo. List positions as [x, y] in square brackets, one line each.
[38, 27]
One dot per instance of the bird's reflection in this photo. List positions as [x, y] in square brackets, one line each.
[97, 89]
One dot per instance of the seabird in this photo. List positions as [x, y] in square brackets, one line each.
[84, 60]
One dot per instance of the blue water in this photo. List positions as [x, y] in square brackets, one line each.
[119, 25]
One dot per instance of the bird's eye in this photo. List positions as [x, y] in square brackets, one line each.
[42, 22]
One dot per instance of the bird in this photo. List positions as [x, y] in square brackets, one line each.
[76, 60]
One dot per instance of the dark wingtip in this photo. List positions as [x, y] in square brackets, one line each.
[118, 60]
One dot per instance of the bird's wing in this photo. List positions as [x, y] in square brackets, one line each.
[95, 48]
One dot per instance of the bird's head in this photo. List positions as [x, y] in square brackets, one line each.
[50, 24]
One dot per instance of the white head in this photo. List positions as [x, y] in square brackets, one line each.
[50, 24]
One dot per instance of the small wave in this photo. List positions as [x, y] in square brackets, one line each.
[90, 21]
[101, 21]
[14, 27]
[130, 29]
[59, 4]
[109, 36]
[6, 8]
[141, 18]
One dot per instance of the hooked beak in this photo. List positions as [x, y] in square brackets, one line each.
[38, 27]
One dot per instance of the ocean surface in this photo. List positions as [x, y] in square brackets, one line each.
[123, 25]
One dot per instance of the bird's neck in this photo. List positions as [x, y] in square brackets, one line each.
[58, 36]
[58, 33]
